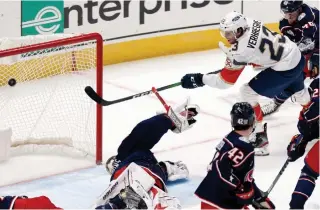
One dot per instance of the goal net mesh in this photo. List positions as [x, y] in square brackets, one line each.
[47, 109]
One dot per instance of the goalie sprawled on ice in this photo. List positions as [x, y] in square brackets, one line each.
[137, 178]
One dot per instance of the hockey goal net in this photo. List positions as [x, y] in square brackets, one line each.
[42, 98]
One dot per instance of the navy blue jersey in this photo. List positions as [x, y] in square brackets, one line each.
[308, 124]
[7, 202]
[307, 26]
[136, 147]
[232, 165]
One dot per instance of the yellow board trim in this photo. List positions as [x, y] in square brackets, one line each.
[165, 45]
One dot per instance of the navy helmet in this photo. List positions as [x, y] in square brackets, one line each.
[288, 6]
[242, 116]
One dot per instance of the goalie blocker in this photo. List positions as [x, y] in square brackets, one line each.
[138, 178]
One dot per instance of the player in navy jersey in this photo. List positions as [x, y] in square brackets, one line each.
[308, 126]
[229, 183]
[138, 179]
[301, 25]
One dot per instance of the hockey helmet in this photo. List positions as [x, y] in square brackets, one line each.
[231, 23]
[289, 6]
[242, 116]
[313, 65]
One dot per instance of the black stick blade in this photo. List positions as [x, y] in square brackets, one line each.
[93, 95]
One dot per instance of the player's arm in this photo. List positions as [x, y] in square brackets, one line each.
[308, 124]
[148, 132]
[307, 20]
[144, 135]
[226, 78]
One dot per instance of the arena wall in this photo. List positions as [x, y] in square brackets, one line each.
[134, 29]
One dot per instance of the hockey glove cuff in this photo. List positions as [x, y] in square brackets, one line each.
[191, 81]
[245, 193]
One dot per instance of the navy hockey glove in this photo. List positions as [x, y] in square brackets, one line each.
[191, 81]
[245, 193]
[296, 147]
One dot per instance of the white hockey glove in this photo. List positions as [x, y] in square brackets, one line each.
[183, 116]
[306, 45]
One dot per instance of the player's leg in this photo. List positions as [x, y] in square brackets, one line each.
[307, 179]
[269, 83]
[249, 94]
[133, 180]
[274, 105]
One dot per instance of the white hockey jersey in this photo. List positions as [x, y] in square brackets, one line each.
[258, 47]
[261, 47]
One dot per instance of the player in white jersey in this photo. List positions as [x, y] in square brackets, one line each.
[279, 60]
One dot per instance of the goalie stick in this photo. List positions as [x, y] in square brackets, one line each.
[172, 115]
[98, 99]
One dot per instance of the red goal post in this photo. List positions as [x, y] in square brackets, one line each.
[45, 103]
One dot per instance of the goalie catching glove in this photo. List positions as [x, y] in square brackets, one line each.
[182, 116]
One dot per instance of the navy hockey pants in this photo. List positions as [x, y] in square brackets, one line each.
[270, 83]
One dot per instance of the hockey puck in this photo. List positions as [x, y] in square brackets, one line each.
[12, 82]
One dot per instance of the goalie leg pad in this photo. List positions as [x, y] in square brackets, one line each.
[132, 174]
[161, 199]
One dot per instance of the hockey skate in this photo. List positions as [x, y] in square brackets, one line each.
[111, 164]
[261, 142]
[175, 170]
[270, 108]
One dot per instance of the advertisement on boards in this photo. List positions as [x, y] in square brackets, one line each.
[116, 19]
[42, 17]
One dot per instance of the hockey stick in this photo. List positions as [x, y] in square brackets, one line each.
[277, 178]
[94, 96]
[98, 99]
[266, 194]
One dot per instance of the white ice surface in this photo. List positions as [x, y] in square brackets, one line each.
[195, 147]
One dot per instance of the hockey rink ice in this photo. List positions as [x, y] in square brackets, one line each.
[195, 147]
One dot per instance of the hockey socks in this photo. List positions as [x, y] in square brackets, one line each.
[303, 189]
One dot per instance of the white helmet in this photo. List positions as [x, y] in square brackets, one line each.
[232, 22]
